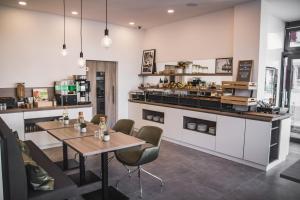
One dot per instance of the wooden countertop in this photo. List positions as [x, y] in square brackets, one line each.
[17, 110]
[91, 146]
[246, 115]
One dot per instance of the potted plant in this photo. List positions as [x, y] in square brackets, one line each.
[83, 127]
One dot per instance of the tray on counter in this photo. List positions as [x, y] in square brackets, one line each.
[239, 100]
[238, 85]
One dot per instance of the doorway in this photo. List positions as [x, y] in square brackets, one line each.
[291, 91]
[290, 77]
[102, 76]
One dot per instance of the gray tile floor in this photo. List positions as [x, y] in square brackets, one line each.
[190, 174]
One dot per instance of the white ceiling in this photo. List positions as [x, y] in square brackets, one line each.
[145, 13]
[287, 10]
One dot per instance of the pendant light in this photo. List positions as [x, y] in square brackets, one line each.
[64, 51]
[81, 61]
[106, 41]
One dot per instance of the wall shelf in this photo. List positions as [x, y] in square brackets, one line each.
[181, 89]
[184, 74]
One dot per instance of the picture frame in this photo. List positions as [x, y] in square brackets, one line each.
[224, 65]
[245, 68]
[148, 61]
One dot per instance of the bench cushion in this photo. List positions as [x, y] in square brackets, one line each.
[64, 188]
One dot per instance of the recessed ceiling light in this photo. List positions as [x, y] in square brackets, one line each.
[22, 3]
[131, 23]
[74, 13]
[171, 11]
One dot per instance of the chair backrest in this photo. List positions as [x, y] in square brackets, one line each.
[124, 126]
[151, 134]
[13, 169]
[96, 118]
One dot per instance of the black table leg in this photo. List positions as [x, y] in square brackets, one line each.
[81, 170]
[104, 166]
[106, 192]
[65, 156]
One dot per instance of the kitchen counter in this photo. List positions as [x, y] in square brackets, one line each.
[256, 139]
[17, 110]
[246, 115]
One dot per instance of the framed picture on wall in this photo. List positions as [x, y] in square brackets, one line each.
[224, 66]
[245, 70]
[148, 62]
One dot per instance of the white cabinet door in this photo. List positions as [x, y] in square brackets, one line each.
[230, 136]
[15, 121]
[135, 113]
[257, 141]
[42, 113]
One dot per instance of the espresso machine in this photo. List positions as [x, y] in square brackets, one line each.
[83, 89]
[66, 92]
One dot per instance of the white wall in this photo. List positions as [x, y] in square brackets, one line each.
[246, 35]
[30, 50]
[204, 37]
[271, 44]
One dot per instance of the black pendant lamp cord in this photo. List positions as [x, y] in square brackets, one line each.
[106, 14]
[106, 30]
[64, 44]
[81, 27]
[64, 2]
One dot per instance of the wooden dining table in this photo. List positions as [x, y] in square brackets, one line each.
[88, 146]
[61, 132]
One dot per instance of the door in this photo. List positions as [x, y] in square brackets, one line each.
[291, 89]
[102, 75]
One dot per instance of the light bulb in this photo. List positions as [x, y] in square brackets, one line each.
[81, 61]
[106, 41]
[64, 51]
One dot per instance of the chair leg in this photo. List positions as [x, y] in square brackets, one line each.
[154, 176]
[129, 172]
[140, 181]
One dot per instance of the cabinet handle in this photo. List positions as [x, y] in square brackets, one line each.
[113, 94]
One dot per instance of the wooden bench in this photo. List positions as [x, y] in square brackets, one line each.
[15, 184]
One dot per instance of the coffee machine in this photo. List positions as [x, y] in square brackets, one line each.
[83, 89]
[65, 92]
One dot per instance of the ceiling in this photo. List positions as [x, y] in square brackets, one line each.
[287, 10]
[145, 13]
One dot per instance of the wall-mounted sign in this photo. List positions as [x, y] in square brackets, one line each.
[224, 66]
[245, 70]
[148, 62]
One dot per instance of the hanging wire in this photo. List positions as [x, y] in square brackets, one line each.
[64, 2]
[106, 14]
[81, 25]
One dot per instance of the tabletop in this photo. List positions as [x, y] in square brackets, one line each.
[49, 125]
[91, 146]
[71, 132]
